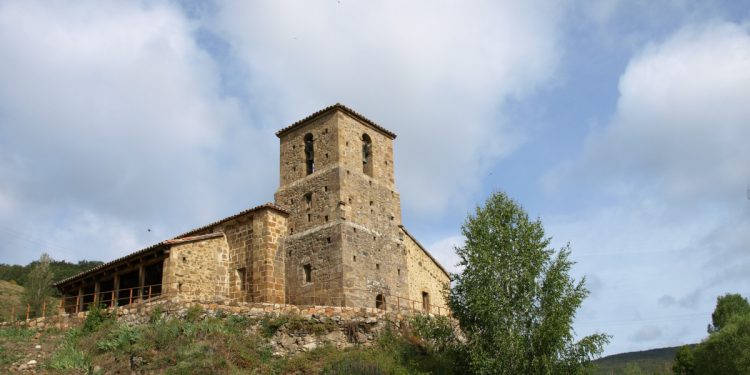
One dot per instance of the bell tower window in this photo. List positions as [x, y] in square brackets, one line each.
[366, 155]
[309, 153]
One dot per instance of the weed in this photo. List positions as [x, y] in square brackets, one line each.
[96, 317]
[16, 333]
[156, 314]
[70, 358]
[270, 324]
[123, 337]
[194, 313]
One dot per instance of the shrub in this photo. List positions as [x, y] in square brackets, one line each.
[95, 317]
[121, 338]
[194, 313]
[156, 314]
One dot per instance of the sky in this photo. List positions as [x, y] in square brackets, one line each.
[623, 125]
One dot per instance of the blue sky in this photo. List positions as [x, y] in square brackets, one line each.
[623, 125]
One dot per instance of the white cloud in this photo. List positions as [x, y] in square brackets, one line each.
[437, 74]
[669, 174]
[444, 251]
[110, 110]
[682, 116]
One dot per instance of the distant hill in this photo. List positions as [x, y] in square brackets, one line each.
[60, 269]
[10, 295]
[654, 361]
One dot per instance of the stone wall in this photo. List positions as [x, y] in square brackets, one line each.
[255, 253]
[425, 276]
[268, 260]
[343, 327]
[343, 222]
[198, 269]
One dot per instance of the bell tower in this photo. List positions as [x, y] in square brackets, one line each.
[343, 246]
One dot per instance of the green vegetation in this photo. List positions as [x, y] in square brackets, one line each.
[11, 295]
[651, 362]
[60, 270]
[226, 344]
[726, 351]
[38, 291]
[514, 299]
[11, 339]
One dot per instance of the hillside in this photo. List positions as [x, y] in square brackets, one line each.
[60, 269]
[653, 361]
[197, 343]
[10, 295]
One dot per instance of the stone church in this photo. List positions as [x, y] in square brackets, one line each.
[333, 237]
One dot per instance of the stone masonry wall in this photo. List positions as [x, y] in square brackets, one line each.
[424, 276]
[198, 269]
[268, 260]
[254, 249]
[343, 223]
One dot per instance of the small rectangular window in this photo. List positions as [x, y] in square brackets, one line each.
[377, 266]
[308, 200]
[308, 273]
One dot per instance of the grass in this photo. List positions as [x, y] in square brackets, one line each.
[10, 296]
[219, 345]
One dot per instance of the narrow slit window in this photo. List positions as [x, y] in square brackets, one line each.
[309, 153]
[366, 155]
[308, 200]
[308, 273]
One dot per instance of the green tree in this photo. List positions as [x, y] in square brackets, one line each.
[515, 300]
[38, 288]
[726, 351]
[727, 306]
[684, 362]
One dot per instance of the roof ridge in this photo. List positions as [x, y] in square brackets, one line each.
[343, 108]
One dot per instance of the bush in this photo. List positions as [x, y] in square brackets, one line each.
[95, 317]
[194, 313]
[121, 338]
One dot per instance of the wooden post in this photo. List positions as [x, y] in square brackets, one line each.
[97, 290]
[62, 305]
[79, 300]
[141, 281]
[28, 310]
[130, 301]
[149, 292]
[116, 290]
[44, 309]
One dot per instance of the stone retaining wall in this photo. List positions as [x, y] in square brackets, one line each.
[346, 326]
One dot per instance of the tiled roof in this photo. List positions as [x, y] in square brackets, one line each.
[425, 251]
[181, 238]
[342, 108]
[272, 206]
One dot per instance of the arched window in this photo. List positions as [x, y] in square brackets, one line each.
[367, 155]
[380, 302]
[309, 153]
[426, 301]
